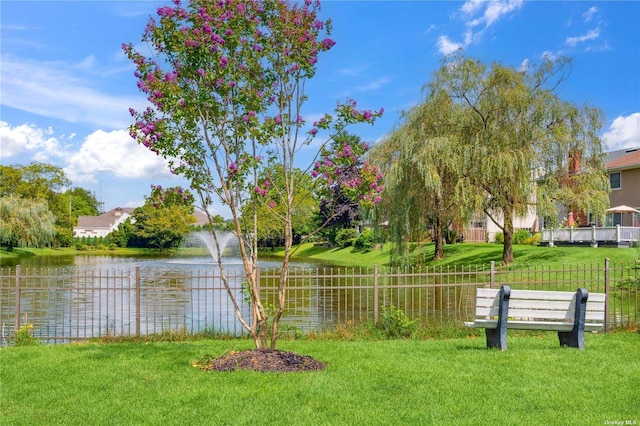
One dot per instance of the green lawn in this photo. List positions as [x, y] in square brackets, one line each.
[470, 254]
[455, 254]
[397, 382]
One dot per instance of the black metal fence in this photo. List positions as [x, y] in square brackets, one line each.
[63, 306]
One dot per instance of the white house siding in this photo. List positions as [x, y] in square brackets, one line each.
[101, 226]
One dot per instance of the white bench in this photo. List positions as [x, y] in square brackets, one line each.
[565, 312]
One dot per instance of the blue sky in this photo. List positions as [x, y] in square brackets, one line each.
[66, 87]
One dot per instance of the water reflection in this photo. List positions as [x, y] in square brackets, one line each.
[108, 295]
[74, 297]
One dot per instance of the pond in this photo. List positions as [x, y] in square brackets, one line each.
[84, 296]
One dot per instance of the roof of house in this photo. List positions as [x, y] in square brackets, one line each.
[105, 220]
[623, 159]
[201, 218]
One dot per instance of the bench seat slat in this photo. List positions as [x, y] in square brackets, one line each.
[486, 302]
[542, 314]
[554, 295]
[535, 325]
[543, 295]
[486, 312]
[590, 315]
[549, 325]
[550, 305]
[552, 313]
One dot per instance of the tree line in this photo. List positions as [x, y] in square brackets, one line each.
[39, 208]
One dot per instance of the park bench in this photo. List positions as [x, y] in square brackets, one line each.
[565, 312]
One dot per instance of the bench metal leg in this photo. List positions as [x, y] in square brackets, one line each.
[575, 337]
[497, 337]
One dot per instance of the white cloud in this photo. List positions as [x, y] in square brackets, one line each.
[624, 132]
[524, 65]
[446, 46]
[591, 35]
[28, 138]
[547, 54]
[497, 9]
[588, 15]
[373, 85]
[63, 91]
[114, 153]
[478, 13]
[493, 11]
[470, 7]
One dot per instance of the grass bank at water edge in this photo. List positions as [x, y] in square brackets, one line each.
[467, 254]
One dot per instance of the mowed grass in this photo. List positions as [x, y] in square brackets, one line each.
[379, 382]
[467, 254]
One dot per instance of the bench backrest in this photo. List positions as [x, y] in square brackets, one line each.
[536, 305]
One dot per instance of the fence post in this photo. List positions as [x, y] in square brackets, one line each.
[17, 311]
[492, 278]
[138, 296]
[375, 294]
[607, 273]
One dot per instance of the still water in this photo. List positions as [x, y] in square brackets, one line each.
[83, 296]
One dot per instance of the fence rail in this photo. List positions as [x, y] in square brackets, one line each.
[618, 234]
[65, 306]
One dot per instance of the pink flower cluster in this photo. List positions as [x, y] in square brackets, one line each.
[343, 167]
[262, 189]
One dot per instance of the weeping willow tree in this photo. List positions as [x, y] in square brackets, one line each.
[426, 185]
[521, 140]
[495, 139]
[25, 222]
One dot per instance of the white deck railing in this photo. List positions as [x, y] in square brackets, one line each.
[594, 234]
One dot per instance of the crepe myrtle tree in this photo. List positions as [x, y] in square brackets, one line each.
[345, 172]
[225, 82]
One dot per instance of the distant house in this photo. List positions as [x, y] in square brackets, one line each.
[201, 218]
[623, 167]
[482, 227]
[101, 226]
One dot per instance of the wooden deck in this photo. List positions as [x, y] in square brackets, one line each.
[622, 236]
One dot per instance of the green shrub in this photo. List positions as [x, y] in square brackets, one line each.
[364, 242]
[451, 236]
[521, 236]
[500, 238]
[534, 240]
[394, 323]
[346, 237]
[24, 336]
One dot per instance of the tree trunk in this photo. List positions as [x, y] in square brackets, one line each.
[439, 240]
[507, 251]
[284, 271]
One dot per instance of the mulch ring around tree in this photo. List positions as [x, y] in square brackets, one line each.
[263, 360]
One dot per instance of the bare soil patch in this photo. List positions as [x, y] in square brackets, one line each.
[264, 360]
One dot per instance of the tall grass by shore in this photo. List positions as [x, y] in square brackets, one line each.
[373, 382]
